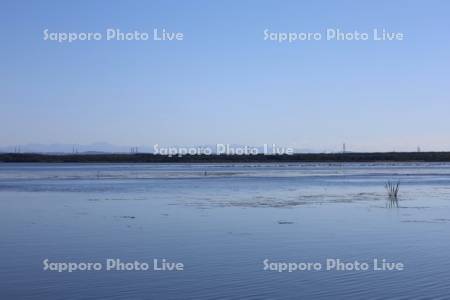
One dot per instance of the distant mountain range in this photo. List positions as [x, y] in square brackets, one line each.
[110, 148]
[71, 148]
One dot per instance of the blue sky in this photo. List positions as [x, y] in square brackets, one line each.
[223, 83]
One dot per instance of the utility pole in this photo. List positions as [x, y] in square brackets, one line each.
[344, 148]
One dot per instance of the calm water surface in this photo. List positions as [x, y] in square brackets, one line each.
[222, 221]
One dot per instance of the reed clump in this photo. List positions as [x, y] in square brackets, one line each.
[392, 189]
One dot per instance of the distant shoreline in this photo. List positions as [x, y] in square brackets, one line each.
[295, 158]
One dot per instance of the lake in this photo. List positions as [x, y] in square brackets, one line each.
[234, 228]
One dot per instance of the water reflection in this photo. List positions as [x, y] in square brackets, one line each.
[392, 202]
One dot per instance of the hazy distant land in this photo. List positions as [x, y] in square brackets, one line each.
[260, 158]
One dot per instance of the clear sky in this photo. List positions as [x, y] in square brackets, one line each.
[224, 83]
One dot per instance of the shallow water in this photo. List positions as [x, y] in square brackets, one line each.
[222, 221]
